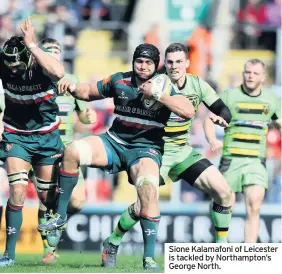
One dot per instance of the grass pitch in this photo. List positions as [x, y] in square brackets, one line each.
[75, 262]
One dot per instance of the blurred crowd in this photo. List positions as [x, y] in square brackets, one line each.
[257, 21]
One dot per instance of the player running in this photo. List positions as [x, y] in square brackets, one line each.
[243, 155]
[133, 143]
[180, 160]
[67, 106]
[31, 134]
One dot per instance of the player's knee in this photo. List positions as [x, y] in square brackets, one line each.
[18, 182]
[253, 206]
[71, 154]
[147, 187]
[225, 194]
[81, 150]
[44, 186]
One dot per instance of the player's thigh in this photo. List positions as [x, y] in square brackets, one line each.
[232, 170]
[90, 151]
[46, 172]
[191, 167]
[143, 162]
[255, 173]
[212, 182]
[182, 165]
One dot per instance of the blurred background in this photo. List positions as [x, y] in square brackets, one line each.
[98, 38]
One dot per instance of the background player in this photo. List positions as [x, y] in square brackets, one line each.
[31, 135]
[243, 155]
[67, 106]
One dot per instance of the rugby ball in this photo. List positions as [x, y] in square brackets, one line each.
[161, 84]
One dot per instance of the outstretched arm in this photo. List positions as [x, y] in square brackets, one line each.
[51, 67]
[82, 91]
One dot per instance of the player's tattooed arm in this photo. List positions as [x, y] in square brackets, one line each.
[51, 67]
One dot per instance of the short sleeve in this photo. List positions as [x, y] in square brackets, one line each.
[209, 95]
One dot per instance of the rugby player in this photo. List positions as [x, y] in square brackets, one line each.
[243, 155]
[31, 135]
[133, 143]
[180, 160]
[67, 106]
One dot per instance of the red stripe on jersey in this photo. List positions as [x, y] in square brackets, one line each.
[30, 101]
[11, 130]
[124, 82]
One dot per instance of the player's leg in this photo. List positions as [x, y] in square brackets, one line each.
[78, 196]
[212, 182]
[254, 195]
[130, 217]
[87, 151]
[255, 181]
[200, 173]
[46, 192]
[17, 170]
[145, 175]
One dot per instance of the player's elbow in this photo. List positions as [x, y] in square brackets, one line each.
[60, 72]
[188, 112]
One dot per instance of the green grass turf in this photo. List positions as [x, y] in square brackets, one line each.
[77, 262]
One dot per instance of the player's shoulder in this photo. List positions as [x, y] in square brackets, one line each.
[268, 93]
[196, 81]
[233, 90]
[123, 78]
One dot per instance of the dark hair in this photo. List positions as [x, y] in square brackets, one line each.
[147, 51]
[174, 47]
[50, 41]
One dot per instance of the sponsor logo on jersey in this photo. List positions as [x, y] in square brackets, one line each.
[8, 147]
[194, 99]
[122, 96]
[266, 109]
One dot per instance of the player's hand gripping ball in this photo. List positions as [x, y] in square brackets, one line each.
[153, 89]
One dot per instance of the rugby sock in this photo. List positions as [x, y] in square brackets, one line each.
[42, 220]
[127, 220]
[149, 227]
[67, 182]
[221, 217]
[14, 219]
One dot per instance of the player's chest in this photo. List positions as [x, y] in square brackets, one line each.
[258, 108]
[23, 86]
